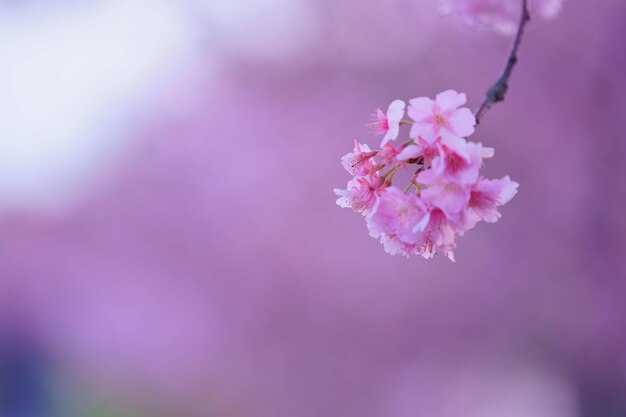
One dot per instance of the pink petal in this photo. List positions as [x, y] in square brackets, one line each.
[409, 152]
[508, 191]
[488, 153]
[450, 198]
[450, 99]
[425, 130]
[420, 108]
[462, 122]
[458, 145]
[421, 225]
[392, 134]
[396, 111]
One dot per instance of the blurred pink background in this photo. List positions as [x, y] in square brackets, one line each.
[170, 243]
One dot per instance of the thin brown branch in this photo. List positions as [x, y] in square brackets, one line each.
[497, 92]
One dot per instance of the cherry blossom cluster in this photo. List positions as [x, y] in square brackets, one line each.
[445, 195]
[499, 15]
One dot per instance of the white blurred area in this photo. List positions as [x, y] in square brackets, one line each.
[71, 74]
[76, 74]
[259, 29]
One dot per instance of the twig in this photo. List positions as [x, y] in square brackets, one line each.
[497, 92]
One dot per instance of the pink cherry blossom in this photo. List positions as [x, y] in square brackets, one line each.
[389, 154]
[394, 246]
[445, 196]
[443, 116]
[396, 215]
[458, 162]
[500, 15]
[451, 198]
[388, 124]
[361, 195]
[445, 219]
[421, 148]
[487, 195]
[438, 233]
[359, 162]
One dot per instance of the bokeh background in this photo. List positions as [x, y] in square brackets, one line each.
[170, 244]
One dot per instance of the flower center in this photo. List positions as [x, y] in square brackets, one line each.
[403, 216]
[474, 199]
[384, 124]
[454, 162]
